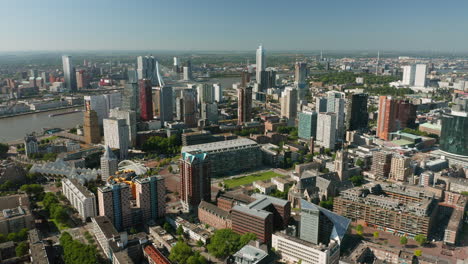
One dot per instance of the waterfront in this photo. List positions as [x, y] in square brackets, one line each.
[14, 128]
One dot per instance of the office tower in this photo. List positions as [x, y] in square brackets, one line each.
[381, 162]
[80, 197]
[260, 63]
[454, 136]
[326, 130]
[336, 104]
[187, 107]
[245, 78]
[210, 112]
[148, 69]
[400, 168]
[176, 67]
[289, 105]
[244, 104]
[188, 71]
[151, 197]
[195, 177]
[386, 117]
[420, 75]
[405, 115]
[69, 74]
[130, 94]
[205, 93]
[30, 145]
[300, 76]
[146, 100]
[33, 73]
[270, 79]
[116, 135]
[114, 202]
[130, 119]
[82, 79]
[307, 125]
[320, 104]
[341, 164]
[92, 134]
[357, 117]
[109, 164]
[318, 225]
[165, 103]
[218, 92]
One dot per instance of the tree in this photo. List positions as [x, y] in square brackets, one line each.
[32, 189]
[246, 238]
[421, 239]
[328, 204]
[133, 230]
[49, 199]
[180, 252]
[200, 243]
[180, 230]
[403, 241]
[170, 169]
[359, 229]
[357, 180]
[75, 252]
[223, 243]
[376, 235]
[359, 163]
[418, 253]
[22, 249]
[167, 227]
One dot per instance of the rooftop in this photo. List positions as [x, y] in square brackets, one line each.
[213, 209]
[254, 212]
[251, 254]
[221, 145]
[106, 226]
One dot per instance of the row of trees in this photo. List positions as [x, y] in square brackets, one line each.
[15, 237]
[162, 145]
[56, 210]
[75, 252]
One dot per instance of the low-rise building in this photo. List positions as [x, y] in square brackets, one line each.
[15, 214]
[213, 216]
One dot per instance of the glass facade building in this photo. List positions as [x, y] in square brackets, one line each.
[454, 134]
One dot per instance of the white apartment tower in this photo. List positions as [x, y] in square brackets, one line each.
[116, 135]
[289, 105]
[326, 130]
[260, 63]
[130, 118]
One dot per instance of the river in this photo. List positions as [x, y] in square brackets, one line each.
[14, 128]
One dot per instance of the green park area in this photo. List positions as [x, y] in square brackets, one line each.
[231, 183]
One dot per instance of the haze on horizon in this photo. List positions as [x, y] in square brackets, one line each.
[210, 25]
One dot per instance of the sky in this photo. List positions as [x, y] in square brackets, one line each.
[191, 25]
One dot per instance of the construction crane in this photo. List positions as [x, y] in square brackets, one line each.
[125, 180]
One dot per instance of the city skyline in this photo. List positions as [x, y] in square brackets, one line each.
[192, 26]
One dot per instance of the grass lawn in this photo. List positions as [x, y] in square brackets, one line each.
[231, 183]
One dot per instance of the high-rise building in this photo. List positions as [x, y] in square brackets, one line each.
[188, 71]
[320, 104]
[326, 130]
[336, 104]
[270, 79]
[289, 105]
[114, 202]
[381, 162]
[116, 135]
[176, 67]
[187, 107]
[92, 134]
[218, 92]
[146, 100]
[408, 75]
[150, 197]
[103, 103]
[245, 78]
[405, 115]
[164, 103]
[318, 225]
[357, 117]
[307, 125]
[130, 118]
[414, 75]
[195, 177]
[260, 62]
[209, 112]
[109, 164]
[386, 117]
[300, 76]
[82, 79]
[131, 93]
[244, 104]
[454, 136]
[69, 74]
[205, 93]
[80, 197]
[148, 68]
[400, 168]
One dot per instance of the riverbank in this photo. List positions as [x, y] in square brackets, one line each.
[40, 111]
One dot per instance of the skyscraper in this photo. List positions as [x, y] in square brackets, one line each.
[326, 130]
[320, 104]
[114, 202]
[91, 131]
[187, 107]
[218, 92]
[195, 176]
[148, 68]
[336, 104]
[188, 71]
[130, 94]
[244, 104]
[176, 67]
[260, 63]
[69, 73]
[209, 112]
[357, 117]
[414, 75]
[300, 76]
[165, 103]
[109, 164]
[405, 115]
[205, 93]
[146, 101]
[307, 125]
[386, 118]
[454, 136]
[130, 118]
[116, 135]
[245, 78]
[103, 103]
[289, 105]
[150, 197]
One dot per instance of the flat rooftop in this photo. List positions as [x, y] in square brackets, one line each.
[221, 145]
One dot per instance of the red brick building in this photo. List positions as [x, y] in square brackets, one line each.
[146, 100]
[212, 215]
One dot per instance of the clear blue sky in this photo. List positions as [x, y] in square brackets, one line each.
[234, 25]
